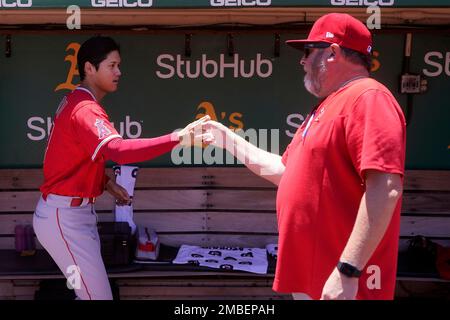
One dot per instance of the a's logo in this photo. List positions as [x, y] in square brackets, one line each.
[207, 108]
[103, 131]
[369, 49]
[73, 71]
[329, 35]
[122, 3]
[15, 4]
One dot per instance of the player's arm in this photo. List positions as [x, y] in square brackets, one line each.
[137, 150]
[377, 206]
[265, 164]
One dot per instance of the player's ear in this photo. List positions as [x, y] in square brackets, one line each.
[89, 68]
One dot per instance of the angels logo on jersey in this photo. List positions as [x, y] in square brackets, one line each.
[103, 131]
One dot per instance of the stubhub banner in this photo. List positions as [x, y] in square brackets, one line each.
[146, 4]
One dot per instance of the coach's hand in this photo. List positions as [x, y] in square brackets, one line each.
[217, 134]
[119, 193]
[193, 134]
[339, 287]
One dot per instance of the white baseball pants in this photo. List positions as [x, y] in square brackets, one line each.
[70, 236]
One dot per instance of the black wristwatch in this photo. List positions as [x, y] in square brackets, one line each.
[348, 270]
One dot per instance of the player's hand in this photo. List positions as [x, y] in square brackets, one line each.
[339, 287]
[193, 134]
[119, 193]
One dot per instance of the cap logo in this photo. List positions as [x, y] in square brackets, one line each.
[329, 35]
[369, 49]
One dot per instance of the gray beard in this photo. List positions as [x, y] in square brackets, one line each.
[313, 80]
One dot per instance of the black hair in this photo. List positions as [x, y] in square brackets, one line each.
[358, 58]
[95, 50]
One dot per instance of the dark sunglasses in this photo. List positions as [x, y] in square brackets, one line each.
[318, 45]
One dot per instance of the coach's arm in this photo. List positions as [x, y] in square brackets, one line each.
[265, 164]
[383, 191]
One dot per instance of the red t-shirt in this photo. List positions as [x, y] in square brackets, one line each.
[73, 165]
[358, 127]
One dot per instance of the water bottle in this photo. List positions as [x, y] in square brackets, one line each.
[29, 238]
[19, 238]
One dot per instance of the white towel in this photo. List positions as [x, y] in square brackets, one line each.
[126, 177]
[229, 258]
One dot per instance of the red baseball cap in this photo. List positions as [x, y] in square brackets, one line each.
[340, 28]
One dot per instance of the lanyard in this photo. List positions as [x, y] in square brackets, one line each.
[310, 120]
[308, 125]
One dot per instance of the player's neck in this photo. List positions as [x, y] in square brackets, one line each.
[98, 93]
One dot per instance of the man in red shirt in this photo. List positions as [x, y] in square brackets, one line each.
[340, 179]
[81, 141]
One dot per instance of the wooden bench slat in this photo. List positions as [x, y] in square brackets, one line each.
[143, 200]
[165, 222]
[11, 179]
[426, 226]
[18, 201]
[179, 177]
[159, 200]
[235, 177]
[404, 243]
[169, 177]
[426, 203]
[242, 222]
[239, 200]
[430, 180]
[13, 201]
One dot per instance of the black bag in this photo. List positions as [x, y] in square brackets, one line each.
[117, 243]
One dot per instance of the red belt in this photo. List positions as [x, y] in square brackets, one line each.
[75, 202]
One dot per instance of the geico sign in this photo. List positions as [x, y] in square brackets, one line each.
[16, 3]
[122, 3]
[240, 3]
[366, 3]
[174, 66]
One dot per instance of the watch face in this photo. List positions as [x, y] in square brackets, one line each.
[348, 269]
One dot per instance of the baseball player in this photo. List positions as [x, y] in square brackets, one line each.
[82, 139]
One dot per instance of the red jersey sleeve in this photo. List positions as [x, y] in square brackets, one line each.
[376, 133]
[93, 128]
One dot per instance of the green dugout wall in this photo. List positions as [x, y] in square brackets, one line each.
[252, 87]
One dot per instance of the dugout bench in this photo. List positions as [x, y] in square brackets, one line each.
[210, 207]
